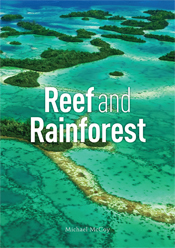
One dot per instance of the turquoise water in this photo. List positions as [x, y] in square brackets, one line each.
[38, 200]
[120, 176]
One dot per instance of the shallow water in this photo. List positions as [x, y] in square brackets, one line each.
[42, 202]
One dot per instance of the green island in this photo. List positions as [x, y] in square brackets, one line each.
[83, 33]
[169, 56]
[117, 18]
[98, 14]
[153, 25]
[12, 32]
[16, 43]
[22, 130]
[56, 59]
[124, 37]
[160, 37]
[125, 30]
[40, 30]
[10, 17]
[140, 17]
[37, 29]
[24, 79]
[159, 14]
[116, 73]
[85, 19]
[100, 43]
[69, 38]
[1, 51]
[7, 28]
[97, 144]
[157, 20]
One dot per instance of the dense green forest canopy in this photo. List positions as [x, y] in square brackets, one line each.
[123, 30]
[157, 20]
[116, 73]
[10, 17]
[117, 17]
[153, 25]
[17, 43]
[22, 130]
[83, 33]
[98, 14]
[56, 59]
[160, 37]
[69, 38]
[169, 56]
[85, 19]
[40, 30]
[140, 17]
[100, 43]
[13, 33]
[24, 79]
[7, 28]
[124, 37]
[159, 14]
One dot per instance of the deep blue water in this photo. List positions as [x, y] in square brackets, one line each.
[87, 4]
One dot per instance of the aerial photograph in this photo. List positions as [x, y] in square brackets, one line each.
[87, 124]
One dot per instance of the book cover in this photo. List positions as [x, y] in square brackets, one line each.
[87, 124]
